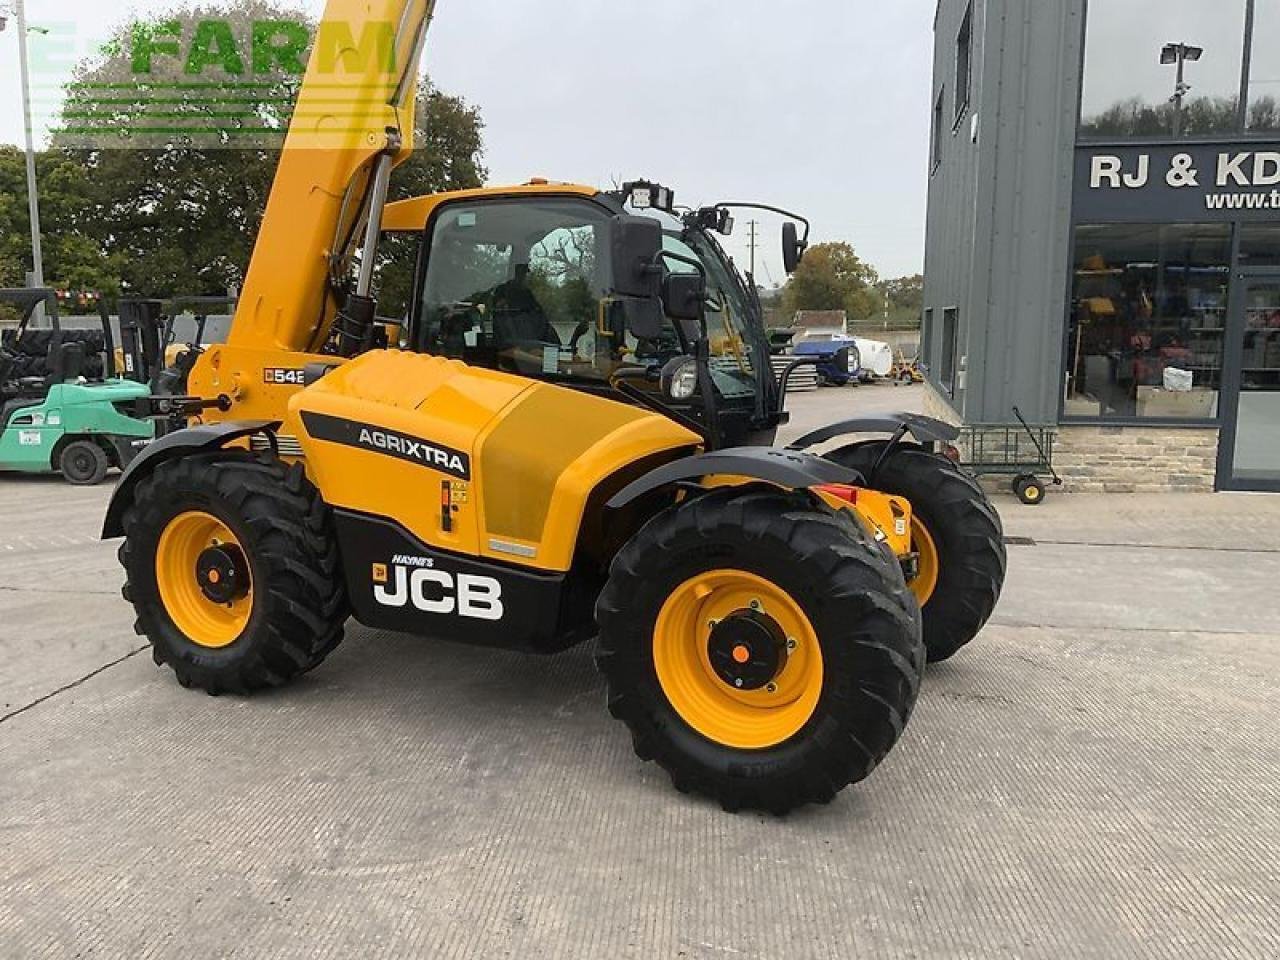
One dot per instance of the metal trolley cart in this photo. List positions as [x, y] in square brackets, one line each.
[1020, 451]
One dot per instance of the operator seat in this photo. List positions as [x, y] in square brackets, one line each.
[519, 320]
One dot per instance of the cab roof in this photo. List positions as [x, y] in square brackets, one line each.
[411, 216]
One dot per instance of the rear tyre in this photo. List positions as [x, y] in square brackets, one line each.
[83, 463]
[232, 566]
[957, 532]
[764, 651]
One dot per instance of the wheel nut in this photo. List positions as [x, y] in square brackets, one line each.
[772, 688]
[791, 643]
[738, 682]
[713, 624]
[755, 604]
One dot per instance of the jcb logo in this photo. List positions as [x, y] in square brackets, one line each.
[438, 592]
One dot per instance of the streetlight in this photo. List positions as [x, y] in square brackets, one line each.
[1179, 53]
[33, 203]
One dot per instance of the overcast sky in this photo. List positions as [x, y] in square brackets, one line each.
[817, 105]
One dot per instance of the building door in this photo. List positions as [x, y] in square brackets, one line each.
[1250, 457]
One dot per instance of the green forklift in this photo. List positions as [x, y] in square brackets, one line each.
[63, 409]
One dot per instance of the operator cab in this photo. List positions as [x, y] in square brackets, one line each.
[525, 282]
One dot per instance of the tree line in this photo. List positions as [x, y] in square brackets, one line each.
[128, 206]
[154, 185]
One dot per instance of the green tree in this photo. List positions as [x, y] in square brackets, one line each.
[833, 277]
[181, 163]
[904, 299]
[1134, 117]
[72, 258]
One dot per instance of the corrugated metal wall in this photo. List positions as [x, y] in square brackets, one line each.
[998, 243]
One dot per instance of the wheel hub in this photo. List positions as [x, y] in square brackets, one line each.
[747, 650]
[222, 573]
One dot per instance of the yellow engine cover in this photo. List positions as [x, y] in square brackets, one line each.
[469, 460]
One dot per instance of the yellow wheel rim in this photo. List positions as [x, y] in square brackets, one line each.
[926, 581]
[203, 621]
[1032, 493]
[744, 719]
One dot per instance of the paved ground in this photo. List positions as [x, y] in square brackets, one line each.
[1096, 777]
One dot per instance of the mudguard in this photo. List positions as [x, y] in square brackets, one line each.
[925, 429]
[170, 447]
[784, 468]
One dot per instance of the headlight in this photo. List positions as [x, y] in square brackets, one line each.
[680, 378]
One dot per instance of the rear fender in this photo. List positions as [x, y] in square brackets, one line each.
[926, 430]
[182, 443]
[791, 469]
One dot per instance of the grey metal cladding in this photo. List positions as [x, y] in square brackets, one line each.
[999, 217]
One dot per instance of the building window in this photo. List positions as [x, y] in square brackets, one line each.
[1260, 245]
[935, 151]
[964, 63]
[926, 340]
[1135, 51]
[1264, 70]
[947, 360]
[1148, 319]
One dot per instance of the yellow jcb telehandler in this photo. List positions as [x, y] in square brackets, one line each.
[565, 439]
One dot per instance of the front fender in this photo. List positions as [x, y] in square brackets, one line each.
[925, 429]
[181, 443]
[783, 468]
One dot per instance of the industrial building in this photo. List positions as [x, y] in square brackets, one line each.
[1103, 247]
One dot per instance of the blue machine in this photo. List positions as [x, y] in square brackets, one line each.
[840, 362]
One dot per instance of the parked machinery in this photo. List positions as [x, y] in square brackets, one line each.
[62, 407]
[555, 452]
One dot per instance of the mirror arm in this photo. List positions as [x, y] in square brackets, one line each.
[769, 209]
[785, 380]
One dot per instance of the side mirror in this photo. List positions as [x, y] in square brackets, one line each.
[684, 295]
[793, 247]
[635, 245]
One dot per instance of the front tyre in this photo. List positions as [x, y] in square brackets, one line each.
[957, 533]
[232, 567]
[763, 650]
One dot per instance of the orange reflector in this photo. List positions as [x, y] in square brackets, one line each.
[741, 654]
[847, 494]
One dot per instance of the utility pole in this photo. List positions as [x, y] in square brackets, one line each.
[33, 203]
[755, 233]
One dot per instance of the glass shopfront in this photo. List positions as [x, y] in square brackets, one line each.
[1180, 324]
[1148, 318]
[1264, 70]
[1253, 428]
[1174, 290]
[1163, 68]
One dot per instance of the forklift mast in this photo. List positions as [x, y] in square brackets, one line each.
[140, 341]
[353, 122]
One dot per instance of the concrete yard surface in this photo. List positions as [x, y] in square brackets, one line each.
[1095, 777]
